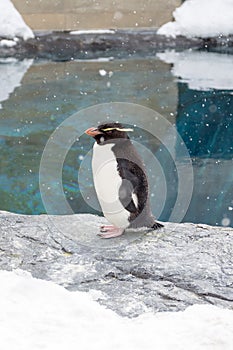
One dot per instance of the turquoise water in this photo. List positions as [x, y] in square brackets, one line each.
[47, 93]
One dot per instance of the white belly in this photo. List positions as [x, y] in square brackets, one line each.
[107, 182]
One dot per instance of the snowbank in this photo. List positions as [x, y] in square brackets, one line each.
[201, 18]
[11, 23]
[37, 314]
[201, 70]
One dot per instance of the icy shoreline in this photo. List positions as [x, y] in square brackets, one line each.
[197, 26]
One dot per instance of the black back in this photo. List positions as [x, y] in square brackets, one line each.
[133, 172]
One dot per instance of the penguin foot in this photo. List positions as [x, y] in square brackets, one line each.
[157, 226]
[109, 231]
[105, 228]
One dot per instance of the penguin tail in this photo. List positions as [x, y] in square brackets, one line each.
[157, 226]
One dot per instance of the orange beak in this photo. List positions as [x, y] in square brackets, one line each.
[92, 132]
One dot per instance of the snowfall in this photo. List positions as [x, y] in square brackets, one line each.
[37, 314]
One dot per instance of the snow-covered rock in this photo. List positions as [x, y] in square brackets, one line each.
[201, 18]
[37, 314]
[11, 23]
[7, 43]
[167, 270]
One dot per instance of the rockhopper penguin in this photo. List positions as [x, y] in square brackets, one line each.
[120, 181]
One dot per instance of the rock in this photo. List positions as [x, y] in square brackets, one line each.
[181, 265]
[63, 46]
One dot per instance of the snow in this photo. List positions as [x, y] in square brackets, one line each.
[201, 18]
[7, 43]
[12, 72]
[11, 23]
[97, 59]
[93, 31]
[37, 314]
[201, 70]
[102, 72]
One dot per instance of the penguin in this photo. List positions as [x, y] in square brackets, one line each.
[120, 181]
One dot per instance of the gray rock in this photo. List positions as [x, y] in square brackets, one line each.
[180, 265]
[63, 46]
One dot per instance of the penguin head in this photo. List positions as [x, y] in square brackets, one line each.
[108, 132]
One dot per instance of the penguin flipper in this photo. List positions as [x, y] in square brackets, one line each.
[133, 191]
[128, 198]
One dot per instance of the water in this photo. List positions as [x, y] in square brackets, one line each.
[38, 96]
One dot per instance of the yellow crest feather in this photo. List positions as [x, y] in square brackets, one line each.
[118, 129]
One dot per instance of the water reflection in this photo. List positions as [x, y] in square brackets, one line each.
[200, 104]
[205, 122]
[11, 73]
[50, 92]
[206, 126]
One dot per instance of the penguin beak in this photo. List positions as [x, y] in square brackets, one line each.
[92, 132]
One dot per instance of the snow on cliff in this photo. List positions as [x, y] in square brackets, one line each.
[201, 18]
[11, 23]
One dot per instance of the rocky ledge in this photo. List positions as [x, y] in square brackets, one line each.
[63, 46]
[181, 265]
